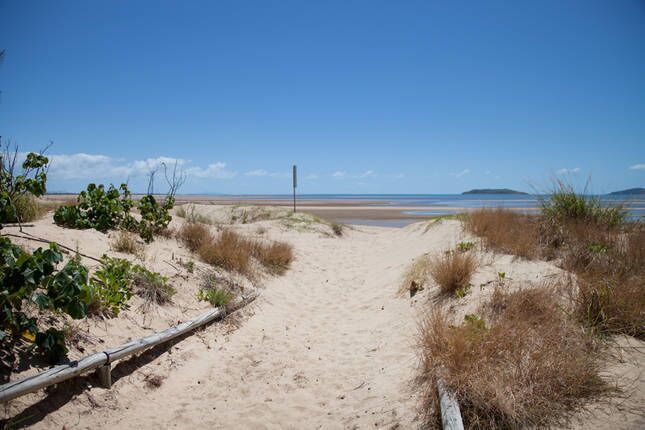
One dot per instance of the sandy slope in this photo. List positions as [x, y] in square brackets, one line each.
[328, 345]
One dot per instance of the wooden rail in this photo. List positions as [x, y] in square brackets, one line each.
[102, 360]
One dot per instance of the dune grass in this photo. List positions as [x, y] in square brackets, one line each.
[275, 256]
[416, 276]
[605, 252]
[127, 242]
[193, 235]
[521, 363]
[452, 271]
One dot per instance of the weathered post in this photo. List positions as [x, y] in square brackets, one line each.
[295, 184]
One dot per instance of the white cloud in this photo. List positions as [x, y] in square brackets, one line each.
[565, 171]
[462, 173]
[367, 174]
[637, 167]
[339, 174]
[82, 166]
[214, 170]
[311, 176]
[258, 172]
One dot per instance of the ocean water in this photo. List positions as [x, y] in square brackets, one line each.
[441, 204]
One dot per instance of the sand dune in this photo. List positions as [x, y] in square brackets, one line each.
[328, 345]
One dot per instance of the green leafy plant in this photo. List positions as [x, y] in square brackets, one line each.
[25, 278]
[98, 208]
[31, 182]
[465, 246]
[215, 296]
[463, 291]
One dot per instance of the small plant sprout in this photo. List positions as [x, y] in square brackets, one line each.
[463, 291]
[465, 246]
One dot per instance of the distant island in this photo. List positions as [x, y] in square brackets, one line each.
[494, 191]
[628, 192]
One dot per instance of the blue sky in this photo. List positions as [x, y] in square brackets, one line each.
[365, 96]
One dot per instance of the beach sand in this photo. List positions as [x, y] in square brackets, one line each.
[328, 345]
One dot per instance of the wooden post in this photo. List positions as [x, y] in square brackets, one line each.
[295, 184]
[105, 375]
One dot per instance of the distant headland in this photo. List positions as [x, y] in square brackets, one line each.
[494, 191]
[629, 192]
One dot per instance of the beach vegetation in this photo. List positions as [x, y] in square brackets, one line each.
[274, 256]
[416, 276]
[126, 242]
[453, 271]
[193, 235]
[465, 246]
[534, 365]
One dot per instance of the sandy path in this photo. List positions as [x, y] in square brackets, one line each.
[329, 346]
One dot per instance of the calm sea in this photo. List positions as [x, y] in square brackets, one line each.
[439, 204]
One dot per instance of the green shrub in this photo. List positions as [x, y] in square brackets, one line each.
[106, 210]
[215, 296]
[25, 278]
[110, 286]
[565, 204]
[97, 208]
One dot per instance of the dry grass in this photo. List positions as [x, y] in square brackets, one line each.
[228, 250]
[193, 235]
[275, 256]
[127, 242]
[416, 276]
[608, 259]
[506, 231]
[525, 364]
[453, 270]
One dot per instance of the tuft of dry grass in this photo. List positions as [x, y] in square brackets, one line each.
[228, 250]
[506, 231]
[126, 242]
[452, 271]
[524, 364]
[337, 228]
[275, 256]
[193, 235]
[416, 276]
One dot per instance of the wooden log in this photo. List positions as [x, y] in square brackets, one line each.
[450, 413]
[105, 375]
[57, 374]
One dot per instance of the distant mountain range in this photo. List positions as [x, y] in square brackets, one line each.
[628, 192]
[494, 191]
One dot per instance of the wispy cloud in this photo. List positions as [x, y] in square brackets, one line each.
[339, 174]
[565, 171]
[215, 170]
[462, 173]
[82, 166]
[311, 176]
[367, 174]
[637, 167]
[258, 172]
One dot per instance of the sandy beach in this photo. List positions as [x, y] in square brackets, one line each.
[328, 345]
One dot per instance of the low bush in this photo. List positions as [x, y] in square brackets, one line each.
[228, 250]
[506, 231]
[151, 286]
[108, 209]
[126, 242]
[337, 228]
[522, 363]
[215, 296]
[565, 204]
[193, 235]
[465, 246]
[275, 256]
[452, 271]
